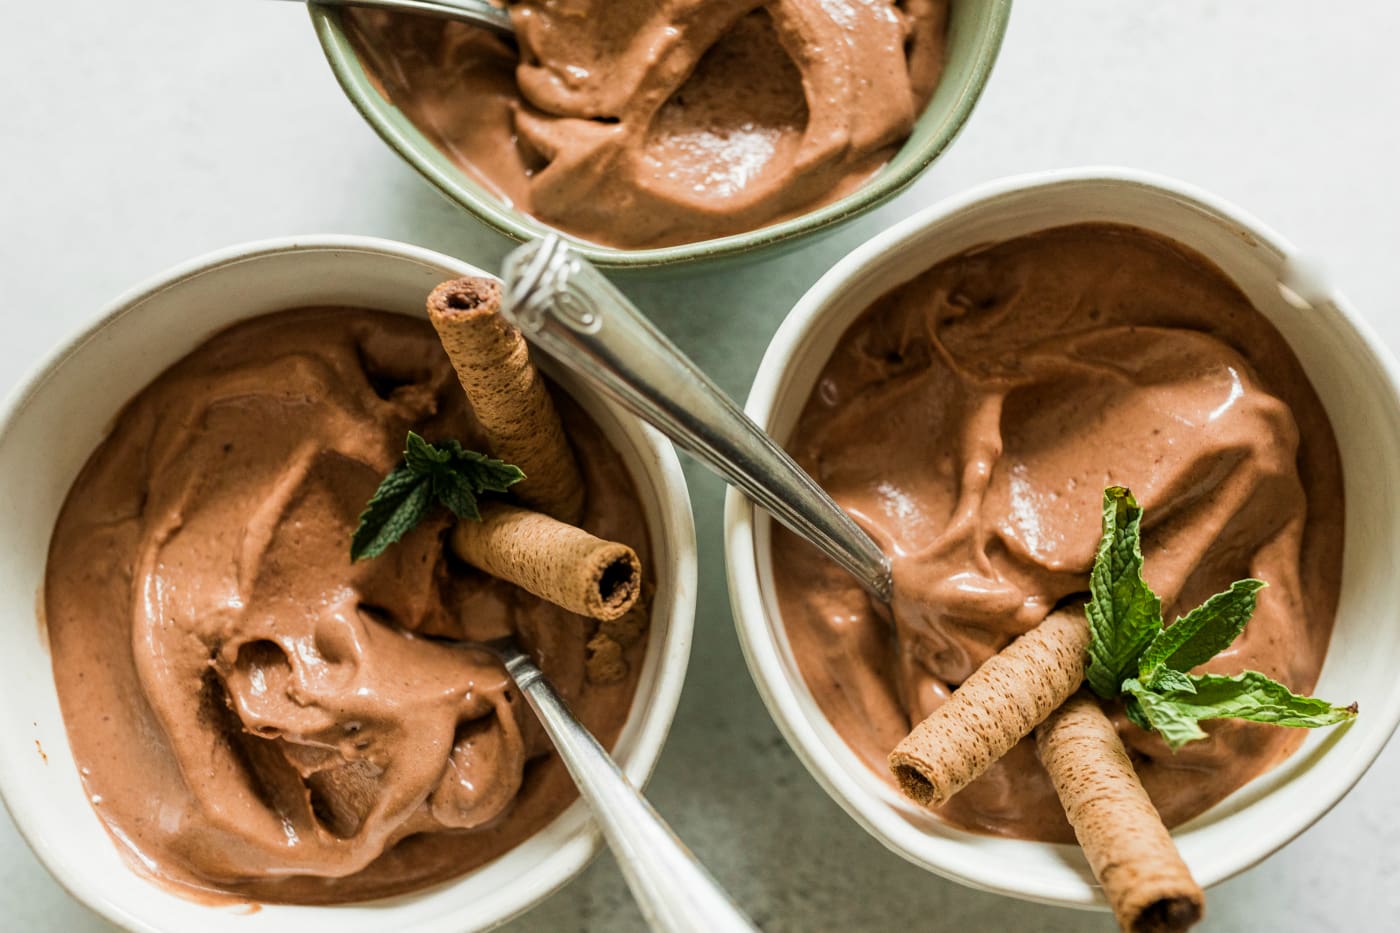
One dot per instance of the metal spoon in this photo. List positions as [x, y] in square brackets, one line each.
[570, 311]
[473, 12]
[675, 892]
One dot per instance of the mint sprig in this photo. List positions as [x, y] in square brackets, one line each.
[1124, 614]
[1133, 654]
[430, 474]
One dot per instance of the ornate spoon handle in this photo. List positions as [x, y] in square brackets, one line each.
[570, 311]
[675, 892]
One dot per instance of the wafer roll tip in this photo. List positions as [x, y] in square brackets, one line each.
[992, 710]
[553, 560]
[1130, 851]
[912, 782]
[615, 581]
[1169, 914]
[469, 293]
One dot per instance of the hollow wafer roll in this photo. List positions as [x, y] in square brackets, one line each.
[507, 394]
[1144, 879]
[558, 562]
[994, 709]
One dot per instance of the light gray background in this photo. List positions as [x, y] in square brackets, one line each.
[138, 133]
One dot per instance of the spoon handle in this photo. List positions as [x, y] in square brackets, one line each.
[675, 892]
[569, 310]
[480, 13]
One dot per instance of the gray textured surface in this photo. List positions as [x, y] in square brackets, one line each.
[140, 133]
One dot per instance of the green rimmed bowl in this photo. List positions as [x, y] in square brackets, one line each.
[975, 31]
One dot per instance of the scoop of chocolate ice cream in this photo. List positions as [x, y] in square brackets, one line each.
[255, 712]
[642, 124]
[971, 419]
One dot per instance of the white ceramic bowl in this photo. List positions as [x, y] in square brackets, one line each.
[52, 423]
[1354, 375]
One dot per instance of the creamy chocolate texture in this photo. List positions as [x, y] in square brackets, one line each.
[253, 713]
[642, 124]
[970, 420]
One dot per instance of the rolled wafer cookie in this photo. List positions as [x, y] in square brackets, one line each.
[1131, 853]
[555, 561]
[994, 709]
[507, 394]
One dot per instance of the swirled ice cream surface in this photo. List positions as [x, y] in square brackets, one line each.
[971, 419]
[252, 712]
[643, 124]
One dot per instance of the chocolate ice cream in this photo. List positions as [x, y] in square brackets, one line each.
[252, 712]
[643, 124]
[970, 421]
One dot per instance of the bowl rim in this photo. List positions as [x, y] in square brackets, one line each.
[673, 513]
[410, 144]
[761, 654]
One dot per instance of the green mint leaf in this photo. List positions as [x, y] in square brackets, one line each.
[1167, 680]
[1135, 714]
[1258, 698]
[1250, 695]
[1126, 632]
[423, 458]
[445, 473]
[1124, 614]
[1164, 714]
[1203, 632]
[456, 492]
[481, 472]
[396, 507]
